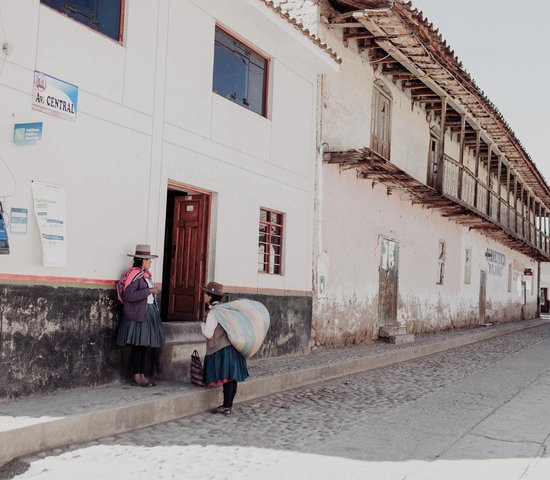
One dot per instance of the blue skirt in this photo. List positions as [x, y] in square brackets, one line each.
[148, 333]
[225, 364]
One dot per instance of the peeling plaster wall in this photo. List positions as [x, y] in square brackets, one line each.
[357, 215]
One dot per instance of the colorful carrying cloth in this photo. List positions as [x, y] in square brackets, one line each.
[246, 323]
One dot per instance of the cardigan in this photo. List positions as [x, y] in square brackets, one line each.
[135, 300]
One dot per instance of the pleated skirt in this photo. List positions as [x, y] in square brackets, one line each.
[148, 333]
[225, 364]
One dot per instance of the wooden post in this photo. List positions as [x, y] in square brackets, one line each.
[515, 203]
[498, 187]
[461, 171]
[478, 140]
[440, 167]
[508, 196]
[522, 213]
[539, 236]
[489, 156]
[527, 234]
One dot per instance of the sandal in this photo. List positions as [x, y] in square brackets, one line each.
[135, 384]
[148, 383]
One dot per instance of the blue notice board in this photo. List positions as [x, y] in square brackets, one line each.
[27, 133]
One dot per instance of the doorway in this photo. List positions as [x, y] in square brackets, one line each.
[387, 283]
[185, 254]
[482, 296]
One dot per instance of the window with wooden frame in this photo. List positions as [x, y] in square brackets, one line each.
[381, 120]
[270, 243]
[240, 73]
[441, 262]
[105, 16]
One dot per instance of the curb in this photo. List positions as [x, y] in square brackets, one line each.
[56, 432]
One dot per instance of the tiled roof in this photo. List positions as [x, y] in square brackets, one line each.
[298, 26]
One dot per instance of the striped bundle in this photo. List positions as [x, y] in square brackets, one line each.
[246, 323]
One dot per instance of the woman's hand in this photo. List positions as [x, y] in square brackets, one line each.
[154, 290]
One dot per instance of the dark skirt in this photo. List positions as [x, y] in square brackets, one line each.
[225, 364]
[148, 333]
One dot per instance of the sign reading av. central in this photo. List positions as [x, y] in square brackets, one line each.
[53, 96]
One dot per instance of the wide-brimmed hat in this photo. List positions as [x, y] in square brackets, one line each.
[214, 288]
[142, 251]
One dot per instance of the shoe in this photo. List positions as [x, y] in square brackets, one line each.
[221, 409]
[148, 383]
[135, 384]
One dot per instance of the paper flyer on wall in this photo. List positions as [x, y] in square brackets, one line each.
[49, 210]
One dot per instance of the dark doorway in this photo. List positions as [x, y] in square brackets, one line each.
[185, 250]
[482, 296]
[387, 283]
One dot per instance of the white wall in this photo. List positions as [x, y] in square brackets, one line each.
[357, 214]
[147, 116]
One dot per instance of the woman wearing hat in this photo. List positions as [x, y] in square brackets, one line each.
[223, 365]
[141, 326]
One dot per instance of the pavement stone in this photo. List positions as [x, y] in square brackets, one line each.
[295, 422]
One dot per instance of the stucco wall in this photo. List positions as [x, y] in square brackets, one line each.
[356, 214]
[355, 221]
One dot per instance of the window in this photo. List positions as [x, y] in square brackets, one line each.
[105, 16]
[240, 73]
[381, 121]
[270, 242]
[441, 263]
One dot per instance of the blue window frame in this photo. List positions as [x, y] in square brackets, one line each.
[240, 73]
[105, 16]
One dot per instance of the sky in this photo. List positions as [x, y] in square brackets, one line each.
[505, 46]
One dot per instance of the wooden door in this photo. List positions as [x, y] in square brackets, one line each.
[188, 257]
[544, 304]
[482, 296]
[387, 287]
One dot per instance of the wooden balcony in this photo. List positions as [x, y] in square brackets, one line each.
[461, 197]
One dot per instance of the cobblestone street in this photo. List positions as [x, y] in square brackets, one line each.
[480, 411]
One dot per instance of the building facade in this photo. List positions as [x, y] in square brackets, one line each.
[430, 214]
[172, 123]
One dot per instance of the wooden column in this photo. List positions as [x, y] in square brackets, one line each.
[440, 164]
[522, 213]
[488, 182]
[508, 196]
[515, 203]
[476, 194]
[461, 159]
[528, 209]
[539, 236]
[498, 187]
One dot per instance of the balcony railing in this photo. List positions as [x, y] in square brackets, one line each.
[476, 194]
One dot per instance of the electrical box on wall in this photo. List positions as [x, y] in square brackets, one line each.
[4, 245]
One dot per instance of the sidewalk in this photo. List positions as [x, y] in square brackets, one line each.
[39, 423]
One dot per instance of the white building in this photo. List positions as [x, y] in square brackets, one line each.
[430, 211]
[188, 125]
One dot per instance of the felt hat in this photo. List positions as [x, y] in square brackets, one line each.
[142, 251]
[214, 288]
